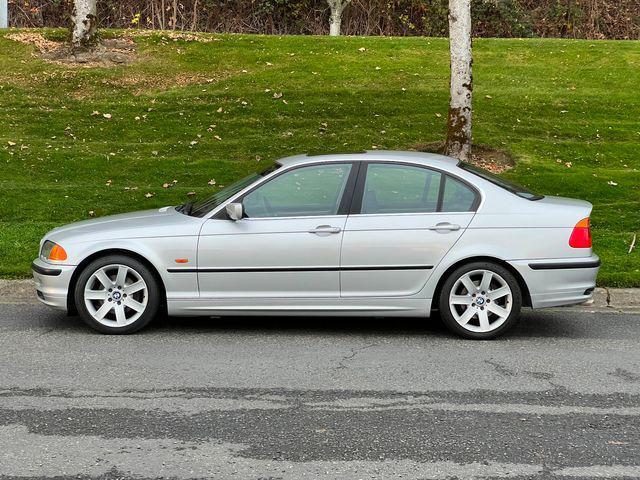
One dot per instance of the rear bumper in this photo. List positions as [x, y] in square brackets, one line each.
[557, 282]
[52, 283]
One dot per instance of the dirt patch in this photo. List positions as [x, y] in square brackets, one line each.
[492, 159]
[110, 52]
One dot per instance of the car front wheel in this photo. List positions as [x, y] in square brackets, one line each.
[117, 294]
[480, 300]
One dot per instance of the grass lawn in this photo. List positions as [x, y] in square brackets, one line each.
[568, 111]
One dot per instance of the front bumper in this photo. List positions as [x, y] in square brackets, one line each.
[52, 283]
[557, 282]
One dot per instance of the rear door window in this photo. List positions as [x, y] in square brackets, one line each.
[394, 188]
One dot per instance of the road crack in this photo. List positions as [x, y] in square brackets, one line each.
[351, 356]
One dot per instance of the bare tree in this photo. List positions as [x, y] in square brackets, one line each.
[84, 25]
[335, 19]
[458, 142]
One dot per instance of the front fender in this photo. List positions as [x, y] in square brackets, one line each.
[160, 252]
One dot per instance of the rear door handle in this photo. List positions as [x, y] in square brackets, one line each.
[320, 229]
[445, 226]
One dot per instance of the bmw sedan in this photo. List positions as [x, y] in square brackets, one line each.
[379, 233]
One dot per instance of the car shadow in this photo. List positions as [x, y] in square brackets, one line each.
[556, 324]
[548, 324]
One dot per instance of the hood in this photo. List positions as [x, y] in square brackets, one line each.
[146, 223]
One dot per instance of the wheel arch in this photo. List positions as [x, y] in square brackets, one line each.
[71, 304]
[526, 295]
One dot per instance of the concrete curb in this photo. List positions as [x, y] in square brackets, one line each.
[612, 300]
[17, 291]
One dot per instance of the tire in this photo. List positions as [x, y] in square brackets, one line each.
[117, 294]
[480, 301]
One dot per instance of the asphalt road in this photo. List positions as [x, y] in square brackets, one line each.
[319, 398]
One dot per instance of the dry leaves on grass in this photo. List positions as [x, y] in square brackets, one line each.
[175, 36]
[109, 52]
[36, 39]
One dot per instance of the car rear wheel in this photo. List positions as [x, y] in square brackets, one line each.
[480, 300]
[117, 294]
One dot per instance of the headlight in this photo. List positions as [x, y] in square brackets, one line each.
[52, 251]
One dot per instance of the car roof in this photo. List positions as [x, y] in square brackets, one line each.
[425, 158]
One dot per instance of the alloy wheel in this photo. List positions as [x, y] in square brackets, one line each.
[480, 301]
[116, 295]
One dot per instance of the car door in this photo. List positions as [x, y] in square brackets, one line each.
[288, 242]
[404, 219]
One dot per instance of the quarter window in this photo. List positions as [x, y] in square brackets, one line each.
[308, 191]
[391, 188]
[457, 196]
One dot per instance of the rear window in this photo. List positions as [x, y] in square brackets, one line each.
[501, 182]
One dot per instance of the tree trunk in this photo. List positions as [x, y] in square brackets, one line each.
[335, 20]
[194, 20]
[174, 19]
[84, 27]
[458, 143]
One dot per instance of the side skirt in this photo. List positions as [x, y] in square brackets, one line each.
[362, 307]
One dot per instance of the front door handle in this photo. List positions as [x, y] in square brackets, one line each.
[320, 229]
[445, 226]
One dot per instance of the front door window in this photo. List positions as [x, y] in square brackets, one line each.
[303, 192]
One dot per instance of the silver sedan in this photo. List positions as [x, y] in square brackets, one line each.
[369, 234]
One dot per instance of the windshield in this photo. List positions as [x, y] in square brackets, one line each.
[501, 182]
[202, 207]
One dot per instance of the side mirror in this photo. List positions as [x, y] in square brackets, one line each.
[234, 211]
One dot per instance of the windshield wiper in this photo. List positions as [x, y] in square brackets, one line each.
[186, 208]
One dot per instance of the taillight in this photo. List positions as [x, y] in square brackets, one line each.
[581, 235]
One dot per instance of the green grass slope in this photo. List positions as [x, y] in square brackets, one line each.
[569, 112]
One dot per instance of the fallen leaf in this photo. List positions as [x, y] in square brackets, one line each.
[219, 110]
[95, 112]
[488, 96]
[166, 185]
[277, 95]
[612, 183]
[92, 213]
[362, 49]
[438, 115]
[149, 195]
[211, 182]
[193, 142]
[11, 144]
[107, 116]
[217, 137]
[191, 194]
